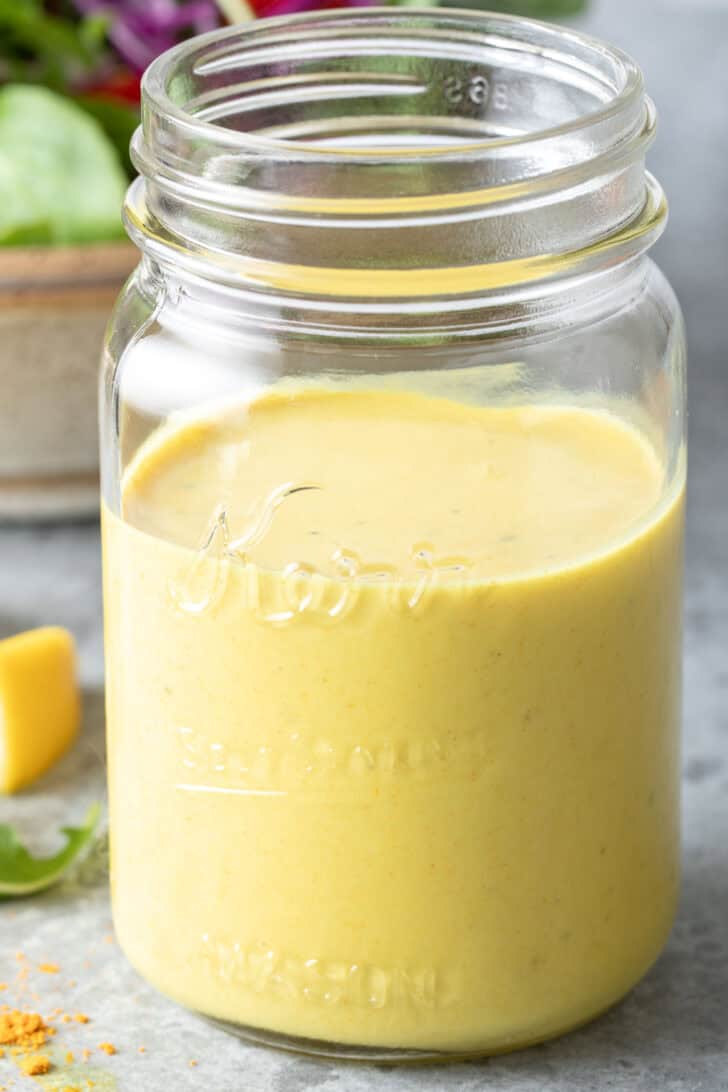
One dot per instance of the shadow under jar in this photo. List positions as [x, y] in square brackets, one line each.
[393, 475]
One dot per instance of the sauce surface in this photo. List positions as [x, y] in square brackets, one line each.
[395, 683]
[301, 477]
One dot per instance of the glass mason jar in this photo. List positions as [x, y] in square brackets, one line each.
[393, 476]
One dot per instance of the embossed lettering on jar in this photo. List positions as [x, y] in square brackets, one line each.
[393, 476]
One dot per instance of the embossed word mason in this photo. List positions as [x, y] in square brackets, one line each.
[267, 970]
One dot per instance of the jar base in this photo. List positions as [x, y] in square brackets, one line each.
[320, 1048]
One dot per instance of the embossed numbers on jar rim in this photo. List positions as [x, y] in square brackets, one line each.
[393, 153]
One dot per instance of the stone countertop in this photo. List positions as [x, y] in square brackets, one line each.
[671, 1034]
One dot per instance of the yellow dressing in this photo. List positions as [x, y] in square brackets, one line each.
[393, 694]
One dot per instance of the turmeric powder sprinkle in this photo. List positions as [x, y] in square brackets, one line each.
[24, 1034]
[35, 1065]
[23, 1029]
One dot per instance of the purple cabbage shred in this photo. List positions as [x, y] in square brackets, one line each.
[140, 30]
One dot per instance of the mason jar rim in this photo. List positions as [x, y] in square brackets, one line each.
[272, 32]
[497, 151]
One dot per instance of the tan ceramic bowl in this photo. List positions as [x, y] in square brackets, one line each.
[54, 305]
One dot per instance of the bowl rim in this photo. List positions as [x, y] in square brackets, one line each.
[99, 264]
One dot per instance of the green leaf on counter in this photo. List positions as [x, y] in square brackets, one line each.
[22, 874]
[61, 180]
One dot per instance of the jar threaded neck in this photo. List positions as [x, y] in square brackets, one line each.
[394, 153]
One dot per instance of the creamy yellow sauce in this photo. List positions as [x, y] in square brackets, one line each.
[393, 701]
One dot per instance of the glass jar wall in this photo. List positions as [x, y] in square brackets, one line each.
[393, 473]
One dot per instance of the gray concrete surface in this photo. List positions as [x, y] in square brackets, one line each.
[671, 1034]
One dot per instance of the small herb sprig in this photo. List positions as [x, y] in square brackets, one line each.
[22, 874]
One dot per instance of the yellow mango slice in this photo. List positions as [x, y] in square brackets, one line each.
[40, 704]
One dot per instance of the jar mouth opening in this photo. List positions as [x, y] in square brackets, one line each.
[268, 87]
[382, 151]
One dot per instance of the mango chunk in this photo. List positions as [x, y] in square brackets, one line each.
[40, 703]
